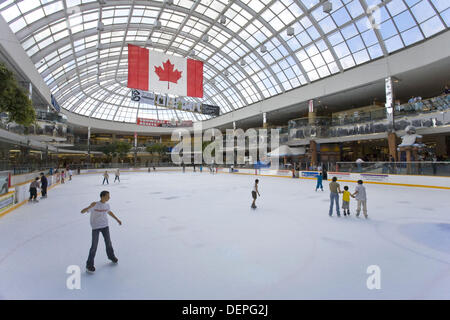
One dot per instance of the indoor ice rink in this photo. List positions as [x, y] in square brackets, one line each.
[194, 236]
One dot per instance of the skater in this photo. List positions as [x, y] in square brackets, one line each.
[105, 177]
[319, 181]
[33, 190]
[70, 173]
[99, 223]
[184, 167]
[361, 199]
[117, 175]
[335, 189]
[44, 184]
[63, 175]
[201, 168]
[255, 193]
[346, 201]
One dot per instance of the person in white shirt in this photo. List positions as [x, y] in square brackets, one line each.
[99, 223]
[70, 173]
[118, 175]
[361, 198]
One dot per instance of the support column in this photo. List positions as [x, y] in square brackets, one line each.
[264, 120]
[313, 150]
[89, 145]
[311, 113]
[135, 148]
[392, 142]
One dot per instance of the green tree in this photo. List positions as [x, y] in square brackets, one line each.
[122, 148]
[158, 148]
[13, 99]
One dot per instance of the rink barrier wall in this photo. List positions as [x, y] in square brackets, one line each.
[20, 194]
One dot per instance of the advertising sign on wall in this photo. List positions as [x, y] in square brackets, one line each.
[6, 201]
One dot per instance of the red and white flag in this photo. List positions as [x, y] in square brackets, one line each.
[156, 71]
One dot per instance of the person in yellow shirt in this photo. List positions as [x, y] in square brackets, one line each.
[346, 201]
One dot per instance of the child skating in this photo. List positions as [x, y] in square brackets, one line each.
[118, 176]
[33, 190]
[255, 193]
[105, 177]
[99, 223]
[361, 198]
[346, 201]
[319, 181]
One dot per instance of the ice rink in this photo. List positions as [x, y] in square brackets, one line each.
[194, 236]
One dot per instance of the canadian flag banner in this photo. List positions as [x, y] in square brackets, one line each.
[156, 71]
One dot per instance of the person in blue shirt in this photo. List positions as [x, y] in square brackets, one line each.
[319, 181]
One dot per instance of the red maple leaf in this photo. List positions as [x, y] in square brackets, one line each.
[167, 73]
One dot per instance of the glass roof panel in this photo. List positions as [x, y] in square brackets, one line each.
[61, 38]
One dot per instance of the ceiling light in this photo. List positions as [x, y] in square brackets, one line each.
[100, 46]
[243, 63]
[100, 26]
[157, 24]
[327, 7]
[169, 2]
[192, 53]
[205, 38]
[223, 20]
[263, 49]
[290, 31]
[226, 73]
[212, 82]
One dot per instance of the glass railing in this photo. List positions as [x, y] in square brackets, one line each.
[428, 113]
[439, 168]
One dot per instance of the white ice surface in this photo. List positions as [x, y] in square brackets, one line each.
[194, 236]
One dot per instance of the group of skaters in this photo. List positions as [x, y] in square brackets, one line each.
[106, 176]
[41, 182]
[335, 190]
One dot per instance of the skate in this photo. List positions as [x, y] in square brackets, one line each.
[114, 260]
[90, 269]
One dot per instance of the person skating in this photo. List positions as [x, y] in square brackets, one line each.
[70, 173]
[346, 201]
[255, 193]
[105, 177]
[63, 175]
[335, 189]
[117, 175]
[319, 181]
[99, 223]
[33, 190]
[44, 185]
[361, 198]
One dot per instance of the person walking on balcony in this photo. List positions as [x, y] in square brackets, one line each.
[105, 177]
[335, 189]
[358, 164]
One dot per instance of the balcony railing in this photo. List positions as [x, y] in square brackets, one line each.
[430, 168]
[428, 113]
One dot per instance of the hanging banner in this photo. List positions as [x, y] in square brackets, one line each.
[177, 103]
[311, 105]
[163, 123]
[150, 70]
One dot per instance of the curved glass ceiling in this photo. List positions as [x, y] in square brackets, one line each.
[86, 66]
